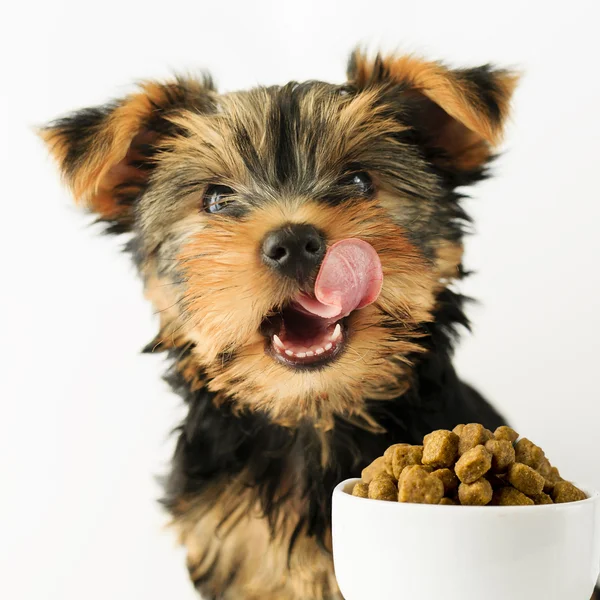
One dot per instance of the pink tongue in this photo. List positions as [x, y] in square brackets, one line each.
[350, 277]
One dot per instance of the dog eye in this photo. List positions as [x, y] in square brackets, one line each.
[216, 197]
[362, 182]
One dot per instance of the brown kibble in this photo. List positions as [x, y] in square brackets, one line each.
[551, 480]
[528, 453]
[503, 454]
[373, 470]
[408, 470]
[405, 456]
[525, 479]
[449, 480]
[473, 434]
[447, 502]
[383, 487]
[426, 468]
[508, 496]
[469, 465]
[544, 468]
[440, 448]
[458, 429]
[564, 491]
[473, 464]
[554, 476]
[506, 433]
[420, 487]
[542, 499]
[478, 493]
[388, 455]
[361, 490]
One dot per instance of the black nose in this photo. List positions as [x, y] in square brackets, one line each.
[295, 250]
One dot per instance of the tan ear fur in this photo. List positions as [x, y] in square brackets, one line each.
[99, 150]
[464, 110]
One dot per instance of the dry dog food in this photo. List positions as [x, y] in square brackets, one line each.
[473, 464]
[417, 485]
[405, 456]
[469, 465]
[478, 493]
[440, 448]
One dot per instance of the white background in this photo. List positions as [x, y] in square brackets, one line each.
[85, 419]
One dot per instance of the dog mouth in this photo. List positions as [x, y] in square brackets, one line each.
[312, 329]
[300, 338]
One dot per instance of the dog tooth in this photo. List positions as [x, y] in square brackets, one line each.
[337, 333]
[328, 346]
[319, 351]
[301, 355]
[289, 353]
[277, 342]
[310, 353]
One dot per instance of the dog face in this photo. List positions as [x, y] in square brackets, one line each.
[295, 238]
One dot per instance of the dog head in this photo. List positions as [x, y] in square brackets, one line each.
[294, 238]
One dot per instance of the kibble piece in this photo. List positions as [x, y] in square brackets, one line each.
[447, 502]
[458, 429]
[565, 491]
[405, 456]
[420, 487]
[508, 496]
[383, 487]
[440, 448]
[525, 479]
[503, 454]
[448, 479]
[554, 475]
[361, 490]
[542, 499]
[544, 468]
[551, 480]
[473, 434]
[408, 470]
[377, 467]
[528, 453]
[426, 468]
[388, 455]
[506, 433]
[473, 464]
[478, 493]
[373, 470]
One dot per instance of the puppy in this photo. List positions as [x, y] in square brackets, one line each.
[300, 244]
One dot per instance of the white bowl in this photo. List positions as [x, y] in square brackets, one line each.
[388, 550]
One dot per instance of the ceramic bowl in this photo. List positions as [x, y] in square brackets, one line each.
[398, 551]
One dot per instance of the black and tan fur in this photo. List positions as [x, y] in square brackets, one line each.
[263, 444]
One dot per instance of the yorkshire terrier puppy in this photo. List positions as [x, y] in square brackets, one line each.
[300, 244]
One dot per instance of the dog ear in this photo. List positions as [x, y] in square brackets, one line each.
[105, 153]
[458, 113]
